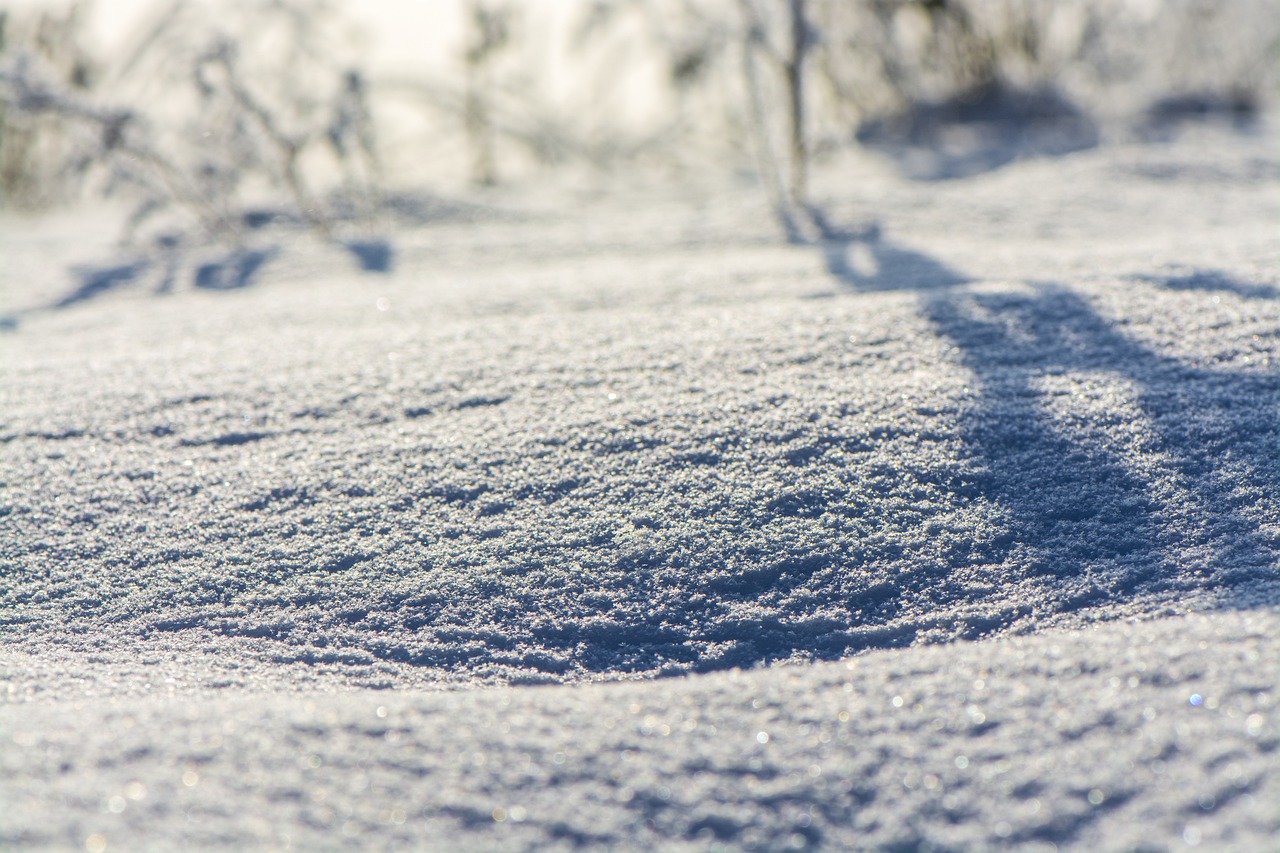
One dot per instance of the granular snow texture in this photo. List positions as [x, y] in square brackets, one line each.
[1038, 409]
[1143, 736]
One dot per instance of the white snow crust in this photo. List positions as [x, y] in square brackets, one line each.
[960, 531]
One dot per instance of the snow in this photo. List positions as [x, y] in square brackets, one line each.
[957, 533]
[1088, 739]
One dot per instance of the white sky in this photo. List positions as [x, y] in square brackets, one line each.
[402, 33]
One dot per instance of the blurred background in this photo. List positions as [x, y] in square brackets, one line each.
[204, 115]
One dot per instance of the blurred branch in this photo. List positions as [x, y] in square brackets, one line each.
[218, 102]
[490, 33]
[287, 146]
[121, 144]
[788, 184]
[220, 122]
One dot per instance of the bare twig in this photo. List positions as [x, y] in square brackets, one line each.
[793, 69]
[121, 142]
[490, 32]
[288, 146]
[787, 185]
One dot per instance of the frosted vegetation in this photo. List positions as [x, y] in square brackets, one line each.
[211, 119]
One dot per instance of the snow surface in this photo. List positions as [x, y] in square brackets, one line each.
[288, 556]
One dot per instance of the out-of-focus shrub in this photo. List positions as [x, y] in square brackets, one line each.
[41, 157]
[214, 108]
[208, 112]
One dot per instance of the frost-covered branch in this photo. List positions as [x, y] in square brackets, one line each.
[120, 143]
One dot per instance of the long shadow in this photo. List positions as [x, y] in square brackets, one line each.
[92, 282]
[980, 130]
[372, 255]
[862, 260]
[1212, 281]
[1113, 471]
[1075, 502]
[1160, 483]
[95, 281]
[1085, 515]
[234, 271]
[995, 124]
[1168, 116]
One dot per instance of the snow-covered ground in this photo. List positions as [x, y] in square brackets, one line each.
[959, 533]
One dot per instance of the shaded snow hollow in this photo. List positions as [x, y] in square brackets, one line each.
[1038, 409]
